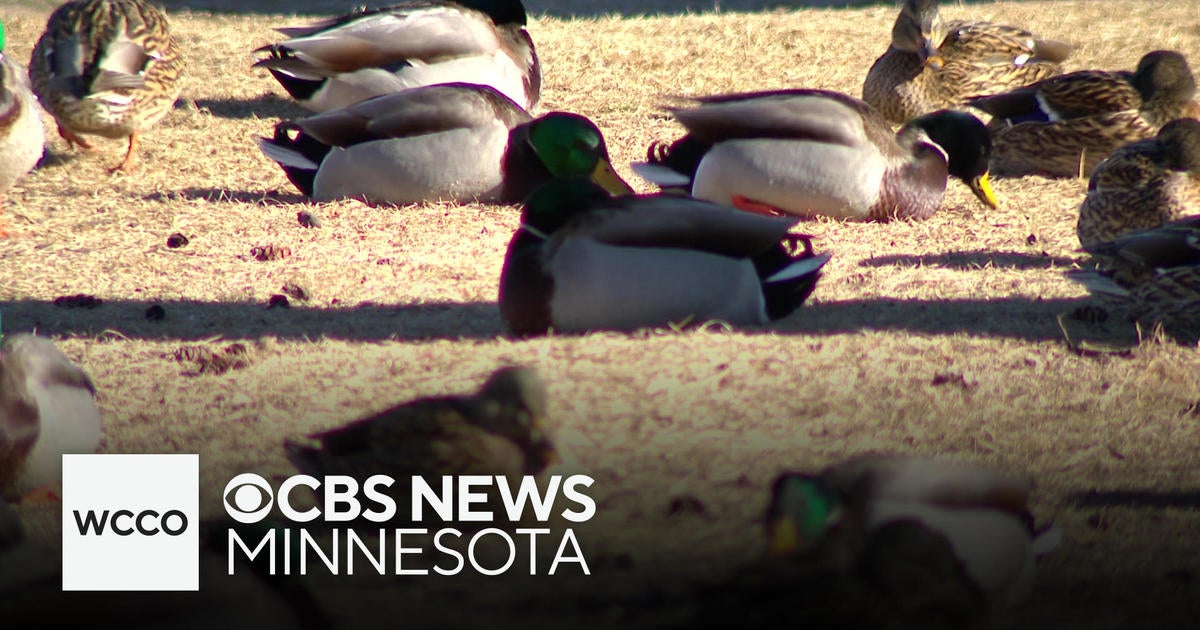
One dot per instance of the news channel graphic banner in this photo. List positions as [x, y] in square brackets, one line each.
[131, 523]
[465, 499]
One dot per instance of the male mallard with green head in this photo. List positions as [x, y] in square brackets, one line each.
[108, 68]
[1143, 185]
[452, 142]
[982, 512]
[1064, 126]
[21, 136]
[582, 260]
[813, 152]
[338, 62]
[932, 64]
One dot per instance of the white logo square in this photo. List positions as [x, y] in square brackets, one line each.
[131, 522]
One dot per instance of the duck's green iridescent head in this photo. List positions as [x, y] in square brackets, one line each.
[501, 11]
[919, 29]
[3, 40]
[803, 508]
[968, 147]
[570, 145]
[556, 202]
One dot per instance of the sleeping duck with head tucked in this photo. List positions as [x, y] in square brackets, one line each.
[819, 153]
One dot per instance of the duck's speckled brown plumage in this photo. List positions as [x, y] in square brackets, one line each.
[500, 430]
[960, 59]
[1065, 126]
[1157, 274]
[108, 68]
[1143, 185]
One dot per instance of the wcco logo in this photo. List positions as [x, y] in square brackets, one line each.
[130, 522]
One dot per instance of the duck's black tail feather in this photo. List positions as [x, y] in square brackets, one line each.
[789, 274]
[299, 154]
[681, 157]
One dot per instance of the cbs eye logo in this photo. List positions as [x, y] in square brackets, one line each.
[248, 498]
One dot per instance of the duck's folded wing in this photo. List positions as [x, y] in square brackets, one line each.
[796, 114]
[1175, 244]
[414, 112]
[1085, 93]
[672, 221]
[389, 37]
[986, 42]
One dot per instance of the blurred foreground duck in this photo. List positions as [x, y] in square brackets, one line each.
[453, 142]
[21, 136]
[1156, 272]
[338, 62]
[1144, 185]
[812, 152]
[983, 513]
[905, 576]
[47, 409]
[254, 598]
[108, 68]
[499, 430]
[932, 64]
[1064, 126]
[582, 260]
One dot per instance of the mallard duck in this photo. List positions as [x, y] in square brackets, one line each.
[1143, 185]
[1155, 271]
[582, 260]
[108, 68]
[21, 136]
[904, 577]
[1064, 126]
[813, 152]
[982, 512]
[338, 62]
[47, 408]
[500, 430]
[252, 598]
[933, 65]
[455, 142]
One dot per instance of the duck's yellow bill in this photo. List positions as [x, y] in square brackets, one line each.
[982, 187]
[607, 178]
[933, 56]
[783, 536]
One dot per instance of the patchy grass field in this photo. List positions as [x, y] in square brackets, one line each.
[938, 337]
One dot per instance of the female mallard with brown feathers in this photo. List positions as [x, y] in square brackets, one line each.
[813, 152]
[108, 68]
[582, 260]
[339, 62]
[933, 64]
[452, 142]
[981, 511]
[1156, 272]
[1144, 185]
[499, 430]
[21, 136]
[1064, 126]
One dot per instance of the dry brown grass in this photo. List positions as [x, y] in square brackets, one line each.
[935, 337]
